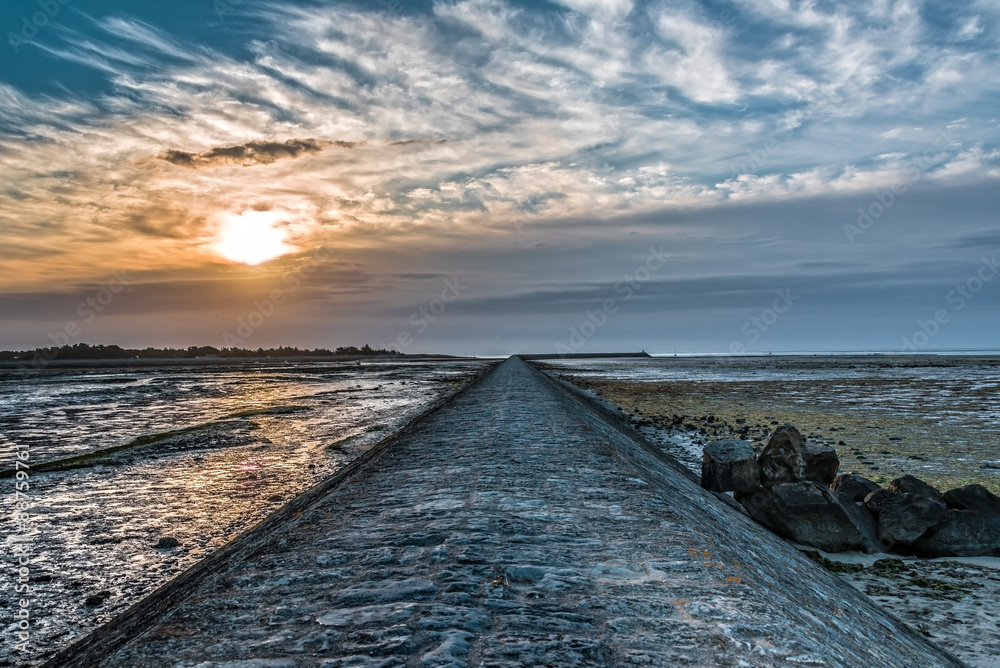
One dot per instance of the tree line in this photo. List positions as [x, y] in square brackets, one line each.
[86, 351]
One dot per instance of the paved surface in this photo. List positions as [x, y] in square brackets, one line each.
[516, 527]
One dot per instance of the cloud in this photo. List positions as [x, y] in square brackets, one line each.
[459, 124]
[987, 239]
[604, 10]
[694, 61]
[250, 153]
[971, 29]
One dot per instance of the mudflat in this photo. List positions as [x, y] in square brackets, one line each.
[514, 526]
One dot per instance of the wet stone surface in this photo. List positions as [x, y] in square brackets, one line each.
[517, 528]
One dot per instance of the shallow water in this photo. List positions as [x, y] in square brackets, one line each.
[255, 435]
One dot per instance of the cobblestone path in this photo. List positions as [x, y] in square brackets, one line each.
[517, 527]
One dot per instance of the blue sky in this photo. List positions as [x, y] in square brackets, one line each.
[844, 155]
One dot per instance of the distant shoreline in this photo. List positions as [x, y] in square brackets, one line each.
[843, 356]
[27, 365]
[574, 356]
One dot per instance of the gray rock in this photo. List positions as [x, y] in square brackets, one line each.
[787, 458]
[812, 515]
[975, 498]
[866, 522]
[908, 484]
[902, 517]
[730, 466]
[853, 487]
[962, 533]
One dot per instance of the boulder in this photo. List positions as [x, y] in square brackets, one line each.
[865, 521]
[787, 458]
[962, 533]
[907, 484]
[902, 517]
[853, 487]
[975, 498]
[730, 466]
[813, 515]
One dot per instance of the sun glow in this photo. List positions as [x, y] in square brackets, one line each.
[252, 238]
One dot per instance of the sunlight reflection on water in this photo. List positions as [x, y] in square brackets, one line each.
[258, 437]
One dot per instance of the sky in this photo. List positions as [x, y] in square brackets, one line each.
[497, 177]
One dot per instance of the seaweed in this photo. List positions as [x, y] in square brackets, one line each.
[338, 445]
[938, 585]
[891, 568]
[95, 457]
[831, 565]
[877, 590]
[107, 455]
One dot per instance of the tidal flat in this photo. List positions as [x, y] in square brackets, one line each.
[936, 418]
[152, 468]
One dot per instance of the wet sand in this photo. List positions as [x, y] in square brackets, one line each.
[934, 418]
[951, 601]
[142, 504]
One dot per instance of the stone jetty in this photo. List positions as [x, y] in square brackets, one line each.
[518, 525]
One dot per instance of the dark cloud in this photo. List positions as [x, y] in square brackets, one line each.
[982, 239]
[728, 293]
[232, 294]
[252, 153]
[14, 251]
[159, 226]
[408, 142]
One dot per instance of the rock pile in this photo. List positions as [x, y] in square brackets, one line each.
[794, 488]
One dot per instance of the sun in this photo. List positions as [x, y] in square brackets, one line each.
[252, 237]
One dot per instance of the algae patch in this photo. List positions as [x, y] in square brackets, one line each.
[339, 445]
[831, 565]
[218, 433]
